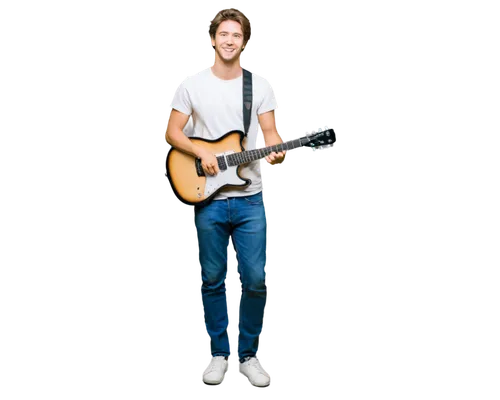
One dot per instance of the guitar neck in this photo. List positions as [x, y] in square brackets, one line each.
[253, 155]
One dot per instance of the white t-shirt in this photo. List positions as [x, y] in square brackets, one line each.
[216, 108]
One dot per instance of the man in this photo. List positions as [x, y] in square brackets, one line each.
[213, 98]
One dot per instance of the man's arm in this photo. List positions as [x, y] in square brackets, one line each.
[176, 137]
[271, 136]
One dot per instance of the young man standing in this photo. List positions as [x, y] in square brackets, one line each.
[214, 100]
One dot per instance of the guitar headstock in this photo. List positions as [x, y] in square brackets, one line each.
[321, 139]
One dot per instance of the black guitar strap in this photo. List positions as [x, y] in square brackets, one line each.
[247, 99]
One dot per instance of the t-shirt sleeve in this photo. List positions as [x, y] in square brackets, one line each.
[181, 101]
[268, 101]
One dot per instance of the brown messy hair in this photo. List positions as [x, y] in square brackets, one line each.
[233, 15]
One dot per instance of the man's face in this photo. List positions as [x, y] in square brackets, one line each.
[228, 40]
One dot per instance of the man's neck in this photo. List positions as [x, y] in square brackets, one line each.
[227, 71]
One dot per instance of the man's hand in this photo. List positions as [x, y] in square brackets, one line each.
[208, 161]
[276, 158]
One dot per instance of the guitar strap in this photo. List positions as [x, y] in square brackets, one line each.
[247, 99]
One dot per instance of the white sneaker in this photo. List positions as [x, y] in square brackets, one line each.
[214, 374]
[255, 373]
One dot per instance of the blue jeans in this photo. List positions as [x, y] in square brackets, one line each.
[244, 220]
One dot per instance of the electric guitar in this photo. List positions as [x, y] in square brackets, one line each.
[193, 187]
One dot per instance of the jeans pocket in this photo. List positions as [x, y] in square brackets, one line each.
[203, 220]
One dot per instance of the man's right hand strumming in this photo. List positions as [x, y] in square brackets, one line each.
[176, 138]
[208, 161]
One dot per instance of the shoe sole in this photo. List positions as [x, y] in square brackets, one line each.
[215, 384]
[212, 385]
[256, 387]
[261, 386]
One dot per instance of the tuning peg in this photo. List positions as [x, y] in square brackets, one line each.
[314, 148]
[326, 128]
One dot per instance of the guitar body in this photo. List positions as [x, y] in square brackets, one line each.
[187, 179]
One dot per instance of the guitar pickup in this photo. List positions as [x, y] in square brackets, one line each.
[199, 168]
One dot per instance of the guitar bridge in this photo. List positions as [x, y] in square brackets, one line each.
[199, 168]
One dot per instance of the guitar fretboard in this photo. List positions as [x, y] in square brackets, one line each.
[253, 155]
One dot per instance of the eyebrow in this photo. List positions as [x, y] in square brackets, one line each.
[235, 33]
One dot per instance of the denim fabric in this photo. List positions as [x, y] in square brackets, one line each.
[240, 222]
